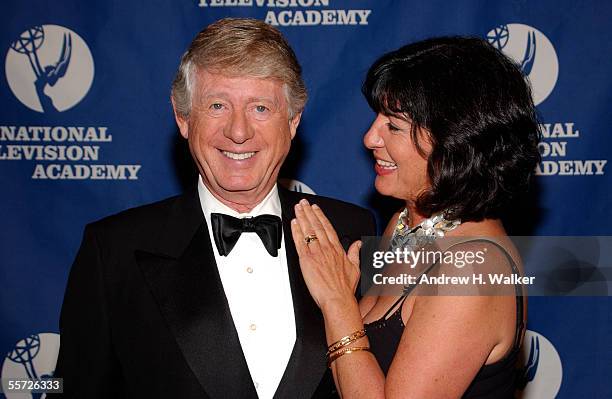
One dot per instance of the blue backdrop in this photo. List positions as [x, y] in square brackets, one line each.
[86, 130]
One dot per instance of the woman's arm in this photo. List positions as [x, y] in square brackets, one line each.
[446, 341]
[332, 276]
[450, 335]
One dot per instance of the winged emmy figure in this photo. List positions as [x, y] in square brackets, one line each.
[50, 74]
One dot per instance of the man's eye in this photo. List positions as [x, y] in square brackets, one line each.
[216, 107]
[261, 109]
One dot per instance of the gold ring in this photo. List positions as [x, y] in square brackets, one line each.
[310, 238]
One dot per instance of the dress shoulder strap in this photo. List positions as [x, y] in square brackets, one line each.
[520, 324]
[396, 305]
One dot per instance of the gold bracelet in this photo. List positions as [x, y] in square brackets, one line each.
[342, 352]
[344, 341]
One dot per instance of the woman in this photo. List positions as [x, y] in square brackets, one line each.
[455, 137]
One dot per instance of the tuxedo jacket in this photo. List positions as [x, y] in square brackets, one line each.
[145, 314]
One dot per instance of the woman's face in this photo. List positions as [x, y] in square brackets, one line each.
[401, 172]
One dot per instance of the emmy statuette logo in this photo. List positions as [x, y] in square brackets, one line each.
[49, 68]
[296, 185]
[541, 373]
[532, 50]
[32, 358]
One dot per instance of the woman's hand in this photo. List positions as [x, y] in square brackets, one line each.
[330, 274]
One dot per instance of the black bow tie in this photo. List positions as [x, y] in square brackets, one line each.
[227, 230]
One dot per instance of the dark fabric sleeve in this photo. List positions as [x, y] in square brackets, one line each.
[86, 361]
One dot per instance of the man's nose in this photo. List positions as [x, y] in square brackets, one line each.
[238, 130]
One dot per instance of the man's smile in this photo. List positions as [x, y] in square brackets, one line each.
[238, 156]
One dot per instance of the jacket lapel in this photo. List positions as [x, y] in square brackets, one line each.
[185, 282]
[307, 363]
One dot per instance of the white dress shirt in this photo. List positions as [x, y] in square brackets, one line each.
[257, 288]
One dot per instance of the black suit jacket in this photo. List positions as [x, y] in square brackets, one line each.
[145, 314]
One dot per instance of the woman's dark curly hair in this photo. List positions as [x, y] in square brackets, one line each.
[476, 108]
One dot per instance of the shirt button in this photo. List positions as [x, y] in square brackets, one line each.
[256, 385]
[249, 269]
[253, 327]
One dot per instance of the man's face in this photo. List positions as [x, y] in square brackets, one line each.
[239, 134]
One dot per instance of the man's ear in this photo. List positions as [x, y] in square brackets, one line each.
[181, 121]
[294, 123]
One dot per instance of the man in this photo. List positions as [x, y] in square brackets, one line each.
[201, 295]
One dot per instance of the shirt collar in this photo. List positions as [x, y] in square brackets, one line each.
[269, 205]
